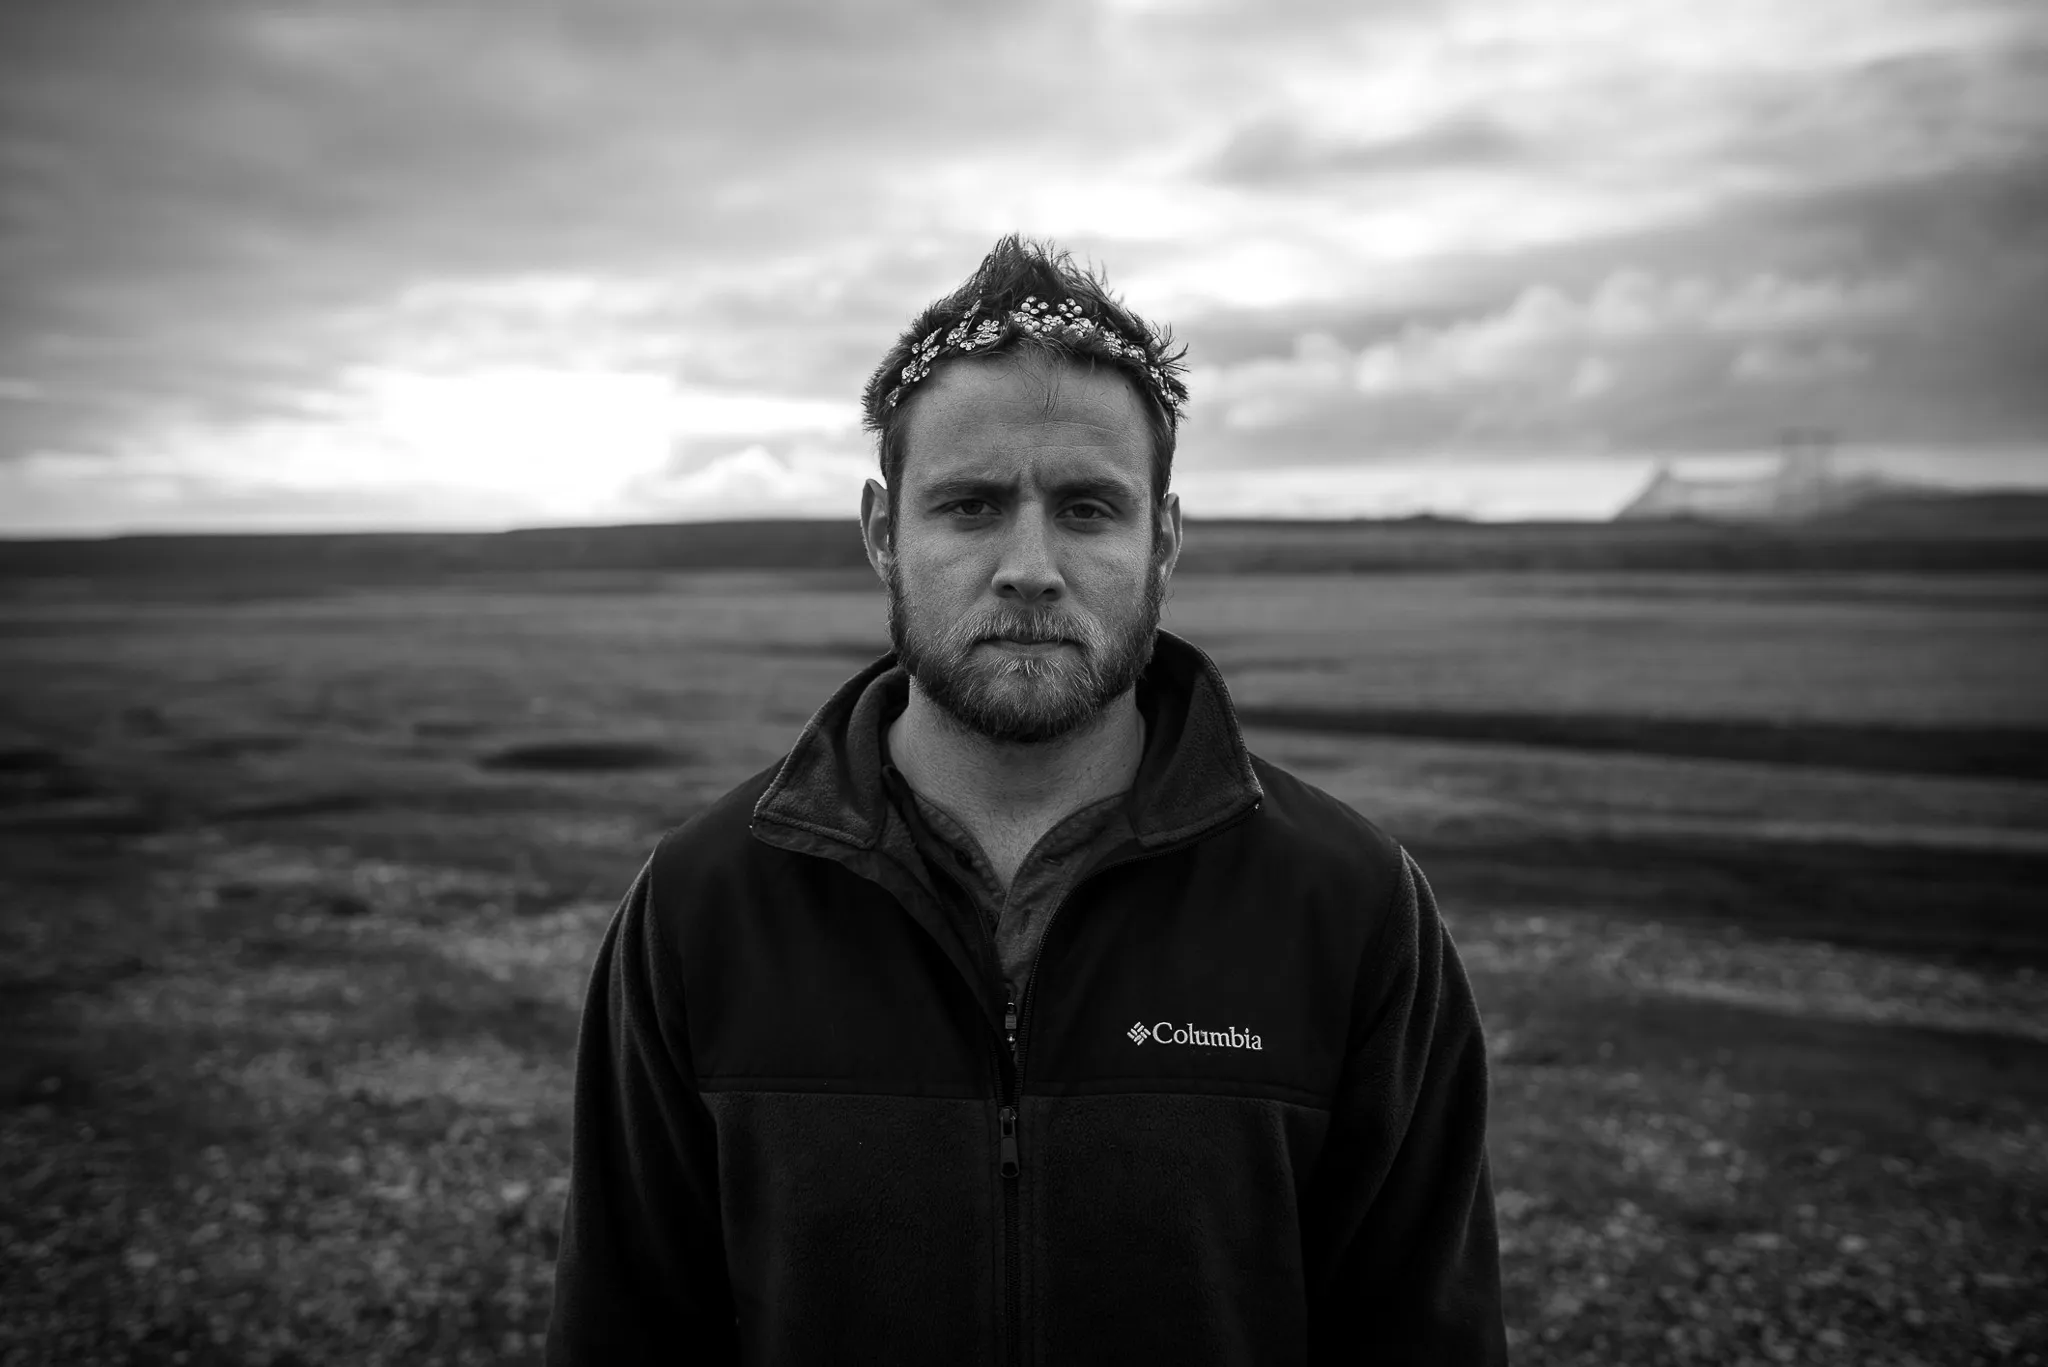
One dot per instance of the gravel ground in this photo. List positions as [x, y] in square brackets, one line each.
[310, 1108]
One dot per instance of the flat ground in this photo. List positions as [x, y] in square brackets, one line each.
[301, 887]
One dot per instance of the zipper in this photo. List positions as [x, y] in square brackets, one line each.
[1013, 1293]
[1013, 1288]
[1013, 1024]
[1016, 1024]
[1009, 1117]
[1009, 1167]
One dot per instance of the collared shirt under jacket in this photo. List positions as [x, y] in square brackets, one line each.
[1237, 1116]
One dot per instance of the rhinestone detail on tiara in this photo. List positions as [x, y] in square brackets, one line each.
[1066, 319]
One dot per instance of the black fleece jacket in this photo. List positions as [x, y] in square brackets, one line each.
[1243, 1120]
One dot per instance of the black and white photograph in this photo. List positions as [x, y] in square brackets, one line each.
[1186, 682]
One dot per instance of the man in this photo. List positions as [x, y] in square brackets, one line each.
[1018, 1014]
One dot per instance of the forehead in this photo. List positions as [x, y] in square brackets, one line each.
[1026, 417]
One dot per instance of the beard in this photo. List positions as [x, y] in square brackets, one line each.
[1027, 699]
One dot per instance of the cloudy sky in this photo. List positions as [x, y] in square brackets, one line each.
[299, 264]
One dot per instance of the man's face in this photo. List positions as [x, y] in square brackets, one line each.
[1026, 566]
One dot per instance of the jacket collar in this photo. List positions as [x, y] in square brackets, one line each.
[1195, 773]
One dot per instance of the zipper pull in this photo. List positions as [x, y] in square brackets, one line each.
[1010, 1025]
[1009, 1118]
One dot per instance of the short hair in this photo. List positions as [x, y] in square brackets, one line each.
[1015, 271]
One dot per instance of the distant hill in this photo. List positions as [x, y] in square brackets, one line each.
[1806, 483]
[1933, 514]
[779, 544]
[1977, 532]
[1947, 533]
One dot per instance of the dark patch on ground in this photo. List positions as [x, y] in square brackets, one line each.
[26, 990]
[29, 759]
[345, 905]
[85, 817]
[33, 774]
[1975, 751]
[295, 805]
[1829, 1066]
[446, 728]
[1951, 593]
[584, 756]
[1980, 907]
[142, 719]
[234, 747]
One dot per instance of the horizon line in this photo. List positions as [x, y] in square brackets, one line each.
[1948, 494]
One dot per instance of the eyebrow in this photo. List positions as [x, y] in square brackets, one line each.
[989, 487]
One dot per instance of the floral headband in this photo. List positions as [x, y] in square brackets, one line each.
[1066, 320]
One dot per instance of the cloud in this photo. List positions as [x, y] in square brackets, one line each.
[755, 481]
[1896, 315]
[1495, 490]
[1468, 225]
[1591, 377]
[1275, 150]
[1778, 363]
[1547, 354]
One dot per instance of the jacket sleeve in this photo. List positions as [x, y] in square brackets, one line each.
[640, 1276]
[1399, 1225]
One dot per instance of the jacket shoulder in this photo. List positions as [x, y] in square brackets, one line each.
[711, 848]
[1322, 833]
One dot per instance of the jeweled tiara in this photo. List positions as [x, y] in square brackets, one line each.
[1066, 320]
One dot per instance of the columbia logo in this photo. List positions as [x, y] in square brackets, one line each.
[1166, 1032]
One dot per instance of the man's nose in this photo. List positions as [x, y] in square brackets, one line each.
[1028, 569]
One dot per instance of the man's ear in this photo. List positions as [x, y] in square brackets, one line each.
[1168, 547]
[877, 532]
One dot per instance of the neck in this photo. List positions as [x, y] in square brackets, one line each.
[993, 783]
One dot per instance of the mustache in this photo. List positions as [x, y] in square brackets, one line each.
[1031, 629]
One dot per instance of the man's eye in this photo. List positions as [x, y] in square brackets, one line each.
[972, 507]
[1088, 511]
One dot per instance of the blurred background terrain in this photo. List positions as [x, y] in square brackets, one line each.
[305, 863]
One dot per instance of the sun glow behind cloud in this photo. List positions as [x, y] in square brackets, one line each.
[1488, 257]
